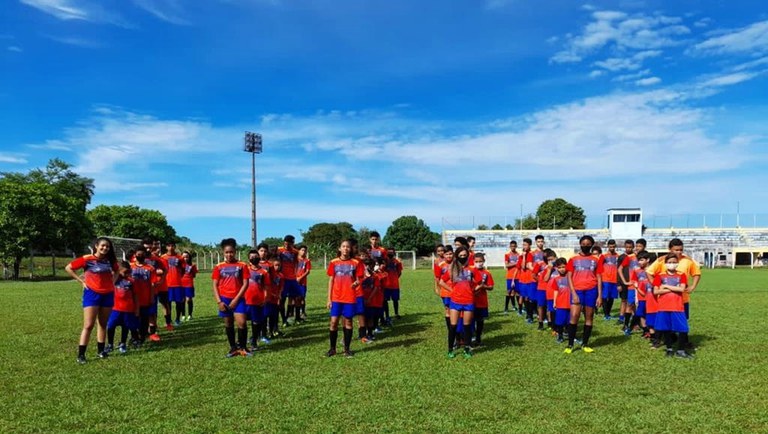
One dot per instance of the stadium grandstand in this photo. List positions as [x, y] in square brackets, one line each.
[712, 247]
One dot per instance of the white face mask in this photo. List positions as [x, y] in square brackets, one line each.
[672, 267]
[479, 265]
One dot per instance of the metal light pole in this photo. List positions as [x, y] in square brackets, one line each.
[252, 144]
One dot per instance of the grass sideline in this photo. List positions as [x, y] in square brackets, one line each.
[521, 381]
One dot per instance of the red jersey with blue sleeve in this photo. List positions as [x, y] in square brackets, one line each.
[344, 273]
[258, 282]
[231, 276]
[378, 253]
[188, 278]
[563, 297]
[463, 285]
[510, 261]
[97, 273]
[124, 294]
[394, 270]
[540, 270]
[671, 301]
[176, 265]
[641, 281]
[539, 256]
[481, 295]
[584, 270]
[276, 288]
[610, 264]
[373, 291]
[161, 269]
[143, 277]
[524, 275]
[304, 267]
[289, 261]
[630, 262]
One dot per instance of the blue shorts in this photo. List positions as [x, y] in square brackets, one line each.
[347, 310]
[510, 286]
[447, 301]
[360, 306]
[610, 290]
[150, 310]
[189, 292]
[291, 289]
[588, 297]
[540, 296]
[671, 322]
[562, 316]
[550, 305]
[239, 308]
[650, 320]
[462, 307]
[92, 298]
[631, 296]
[255, 313]
[687, 307]
[481, 312]
[125, 319]
[176, 294]
[271, 309]
[373, 312]
[640, 311]
[302, 290]
[392, 294]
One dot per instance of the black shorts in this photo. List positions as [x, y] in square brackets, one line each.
[623, 292]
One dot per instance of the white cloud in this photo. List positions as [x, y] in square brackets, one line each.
[746, 40]
[704, 22]
[167, 10]
[729, 79]
[596, 73]
[14, 48]
[631, 77]
[6, 157]
[650, 81]
[75, 41]
[78, 10]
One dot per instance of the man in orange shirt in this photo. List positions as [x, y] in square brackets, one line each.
[173, 277]
[510, 263]
[610, 264]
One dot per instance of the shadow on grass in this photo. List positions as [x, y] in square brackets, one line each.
[601, 341]
[400, 343]
[501, 341]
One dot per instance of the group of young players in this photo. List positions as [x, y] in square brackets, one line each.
[654, 291]
[270, 289]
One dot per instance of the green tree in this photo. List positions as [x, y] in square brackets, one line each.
[560, 214]
[273, 242]
[509, 227]
[497, 227]
[529, 222]
[129, 221]
[324, 238]
[411, 233]
[482, 227]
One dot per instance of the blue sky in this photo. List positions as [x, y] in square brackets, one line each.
[373, 110]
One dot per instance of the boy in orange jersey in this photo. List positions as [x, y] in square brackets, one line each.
[255, 298]
[481, 298]
[176, 266]
[303, 270]
[542, 271]
[125, 313]
[669, 287]
[376, 251]
[188, 283]
[344, 276]
[289, 262]
[144, 279]
[526, 280]
[610, 264]
[561, 293]
[272, 306]
[394, 269]
[686, 265]
[161, 285]
[510, 263]
[230, 281]
[641, 280]
[373, 293]
[584, 279]
[441, 290]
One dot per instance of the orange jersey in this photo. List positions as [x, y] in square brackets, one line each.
[143, 277]
[687, 266]
[463, 285]
[344, 272]
[440, 270]
[124, 296]
[394, 269]
[584, 270]
[289, 262]
[524, 275]
[176, 267]
[610, 264]
[230, 277]
[378, 253]
[540, 271]
[640, 280]
[510, 261]
[97, 272]
[276, 288]
[161, 269]
[481, 296]
[560, 285]
[373, 290]
[258, 282]
[188, 279]
[304, 267]
[671, 301]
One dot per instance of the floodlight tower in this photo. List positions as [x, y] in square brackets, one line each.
[252, 144]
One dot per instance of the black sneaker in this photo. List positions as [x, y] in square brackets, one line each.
[109, 348]
[349, 354]
[682, 354]
[81, 360]
[103, 355]
[331, 352]
[670, 353]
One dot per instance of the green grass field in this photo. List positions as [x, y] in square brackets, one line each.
[521, 380]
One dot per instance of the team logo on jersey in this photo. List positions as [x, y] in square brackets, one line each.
[344, 269]
[585, 265]
[99, 267]
[232, 272]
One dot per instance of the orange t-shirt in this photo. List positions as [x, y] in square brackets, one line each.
[610, 264]
[175, 272]
[560, 284]
[524, 275]
[671, 301]
[258, 282]
[463, 285]
[97, 272]
[143, 275]
[344, 273]
[584, 270]
[510, 261]
[231, 276]
[481, 296]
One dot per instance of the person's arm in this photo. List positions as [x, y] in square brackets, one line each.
[599, 273]
[620, 271]
[220, 304]
[574, 297]
[695, 283]
[243, 288]
[74, 275]
[330, 290]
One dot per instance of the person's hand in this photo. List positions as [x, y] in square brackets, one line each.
[223, 307]
[599, 302]
[328, 305]
[575, 299]
[232, 305]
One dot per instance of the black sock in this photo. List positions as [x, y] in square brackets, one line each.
[479, 331]
[167, 319]
[135, 335]
[571, 334]
[153, 329]
[111, 335]
[467, 336]
[123, 335]
[682, 343]
[519, 304]
[143, 327]
[180, 310]
[627, 319]
[375, 324]
[587, 334]
[282, 310]
[255, 333]
[298, 313]
[242, 337]
[506, 303]
[334, 336]
[645, 330]
[605, 307]
[448, 323]
[347, 339]
[610, 305]
[360, 332]
[190, 306]
[669, 338]
[290, 311]
[541, 324]
[396, 306]
[560, 331]
[81, 350]
[100, 347]
[386, 309]
[231, 336]
[451, 336]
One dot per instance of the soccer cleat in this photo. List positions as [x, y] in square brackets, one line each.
[627, 332]
[331, 352]
[529, 320]
[587, 350]
[682, 354]
[378, 330]
[349, 354]
[109, 348]
[265, 341]
[559, 340]
[577, 341]
[154, 337]
[103, 355]
[451, 354]
[540, 327]
[81, 360]
[233, 352]
[654, 346]
[169, 327]
[365, 340]
[136, 344]
[467, 353]
[568, 350]
[177, 323]
[189, 318]
[670, 353]
[245, 353]
[122, 349]
[646, 335]
[397, 316]
[286, 324]
[506, 312]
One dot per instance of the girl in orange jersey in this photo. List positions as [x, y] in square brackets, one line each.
[344, 276]
[98, 282]
[230, 281]
[461, 280]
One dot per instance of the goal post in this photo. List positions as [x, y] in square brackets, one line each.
[122, 246]
[407, 257]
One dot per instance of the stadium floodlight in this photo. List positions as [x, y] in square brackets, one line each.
[252, 144]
